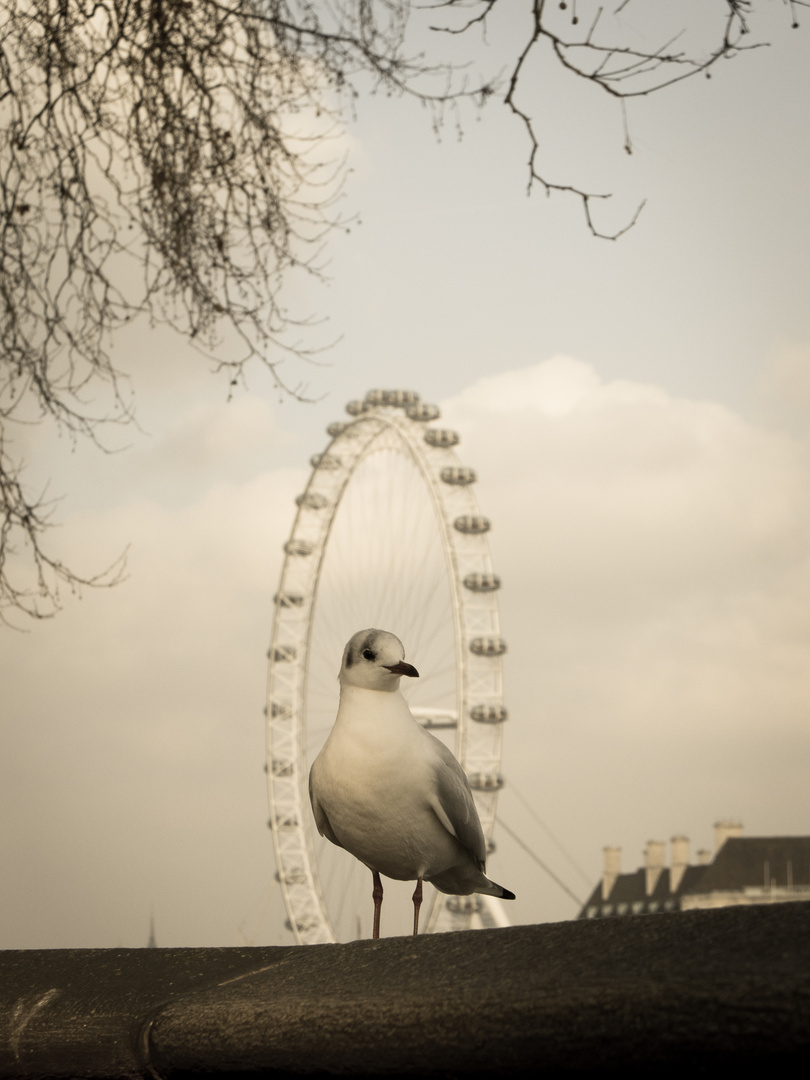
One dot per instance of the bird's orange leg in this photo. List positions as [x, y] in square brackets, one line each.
[377, 895]
[417, 903]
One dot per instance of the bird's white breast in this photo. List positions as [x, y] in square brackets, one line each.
[374, 779]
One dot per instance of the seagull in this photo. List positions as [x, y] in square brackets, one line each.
[388, 791]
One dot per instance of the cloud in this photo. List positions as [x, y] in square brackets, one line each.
[625, 511]
[784, 383]
[136, 734]
[554, 388]
[655, 556]
[216, 440]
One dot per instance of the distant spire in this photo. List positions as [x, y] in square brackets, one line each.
[152, 942]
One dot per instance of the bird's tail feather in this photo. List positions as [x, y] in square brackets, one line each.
[497, 890]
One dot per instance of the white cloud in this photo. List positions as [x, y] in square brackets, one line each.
[655, 554]
[216, 440]
[136, 733]
[630, 498]
[556, 387]
[784, 382]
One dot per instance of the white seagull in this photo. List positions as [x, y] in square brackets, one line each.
[391, 793]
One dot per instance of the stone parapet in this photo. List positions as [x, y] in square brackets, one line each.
[689, 991]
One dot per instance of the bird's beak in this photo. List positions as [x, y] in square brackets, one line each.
[402, 669]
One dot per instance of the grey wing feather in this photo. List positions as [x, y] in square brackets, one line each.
[321, 820]
[454, 805]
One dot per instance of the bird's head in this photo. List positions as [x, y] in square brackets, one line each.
[374, 660]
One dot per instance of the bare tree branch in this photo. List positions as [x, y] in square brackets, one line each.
[161, 158]
[166, 158]
[585, 38]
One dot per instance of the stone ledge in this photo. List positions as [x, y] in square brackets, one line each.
[700, 991]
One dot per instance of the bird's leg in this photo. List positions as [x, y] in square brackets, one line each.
[377, 895]
[417, 903]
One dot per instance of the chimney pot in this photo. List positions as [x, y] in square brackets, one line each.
[653, 863]
[613, 867]
[723, 830]
[679, 846]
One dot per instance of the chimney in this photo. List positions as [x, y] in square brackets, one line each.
[704, 857]
[725, 829]
[613, 867]
[653, 863]
[680, 860]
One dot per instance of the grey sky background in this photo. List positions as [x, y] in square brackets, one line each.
[637, 413]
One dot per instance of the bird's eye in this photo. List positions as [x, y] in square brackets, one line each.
[368, 654]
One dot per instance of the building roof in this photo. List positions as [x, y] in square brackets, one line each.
[751, 862]
[757, 861]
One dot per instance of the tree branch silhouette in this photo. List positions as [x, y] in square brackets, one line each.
[168, 159]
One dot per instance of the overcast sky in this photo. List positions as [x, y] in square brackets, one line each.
[637, 413]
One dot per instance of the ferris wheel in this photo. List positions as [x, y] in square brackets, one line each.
[388, 534]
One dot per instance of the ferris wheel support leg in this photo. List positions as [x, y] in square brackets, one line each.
[377, 895]
[417, 903]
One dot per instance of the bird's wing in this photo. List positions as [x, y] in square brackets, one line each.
[321, 820]
[452, 802]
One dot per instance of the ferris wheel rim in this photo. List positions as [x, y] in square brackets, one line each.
[405, 421]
